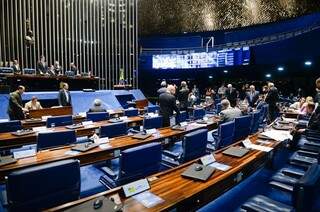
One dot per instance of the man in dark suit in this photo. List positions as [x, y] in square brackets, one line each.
[252, 96]
[317, 96]
[167, 103]
[272, 98]
[231, 95]
[15, 108]
[16, 67]
[183, 96]
[64, 96]
[42, 67]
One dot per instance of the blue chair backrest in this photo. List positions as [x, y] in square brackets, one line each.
[44, 186]
[139, 162]
[59, 121]
[263, 113]
[152, 122]
[153, 108]
[46, 140]
[10, 126]
[255, 122]
[97, 116]
[6, 70]
[226, 133]
[194, 144]
[131, 112]
[198, 113]
[306, 191]
[242, 127]
[218, 107]
[70, 73]
[182, 117]
[113, 130]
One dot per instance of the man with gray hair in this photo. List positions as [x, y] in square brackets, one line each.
[229, 113]
[252, 96]
[272, 98]
[231, 95]
[167, 102]
[97, 106]
[163, 88]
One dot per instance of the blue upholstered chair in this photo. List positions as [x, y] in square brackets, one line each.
[198, 113]
[97, 116]
[134, 163]
[263, 116]
[182, 117]
[218, 108]
[113, 130]
[10, 126]
[44, 186]
[301, 196]
[59, 121]
[29, 71]
[131, 112]
[152, 122]
[255, 122]
[192, 146]
[46, 140]
[242, 127]
[222, 137]
[153, 108]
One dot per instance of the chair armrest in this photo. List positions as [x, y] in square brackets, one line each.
[312, 144]
[308, 154]
[281, 186]
[293, 173]
[109, 172]
[171, 154]
[309, 148]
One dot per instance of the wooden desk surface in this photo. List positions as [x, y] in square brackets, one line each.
[7, 140]
[186, 194]
[97, 154]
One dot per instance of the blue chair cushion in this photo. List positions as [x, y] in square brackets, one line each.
[10, 126]
[59, 121]
[90, 184]
[97, 116]
[113, 130]
[263, 203]
[47, 140]
[131, 112]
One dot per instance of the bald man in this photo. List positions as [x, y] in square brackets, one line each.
[15, 107]
[167, 103]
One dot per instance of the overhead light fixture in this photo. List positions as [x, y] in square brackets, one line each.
[308, 63]
[225, 71]
[210, 77]
[268, 75]
[280, 68]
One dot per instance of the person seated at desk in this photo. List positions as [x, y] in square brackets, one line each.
[57, 68]
[15, 109]
[64, 96]
[51, 71]
[229, 113]
[303, 109]
[42, 66]
[97, 106]
[16, 67]
[298, 105]
[73, 69]
[33, 104]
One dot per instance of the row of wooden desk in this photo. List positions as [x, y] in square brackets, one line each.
[95, 155]
[184, 194]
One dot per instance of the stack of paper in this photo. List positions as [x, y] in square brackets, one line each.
[278, 135]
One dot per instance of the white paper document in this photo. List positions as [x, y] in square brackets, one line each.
[220, 166]
[105, 146]
[24, 153]
[278, 135]
[71, 152]
[148, 199]
[249, 145]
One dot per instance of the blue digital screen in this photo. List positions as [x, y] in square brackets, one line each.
[211, 59]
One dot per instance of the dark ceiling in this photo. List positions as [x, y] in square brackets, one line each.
[178, 16]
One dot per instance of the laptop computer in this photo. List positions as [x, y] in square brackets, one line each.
[5, 160]
[141, 136]
[83, 147]
[198, 172]
[236, 151]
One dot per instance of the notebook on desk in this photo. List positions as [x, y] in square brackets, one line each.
[198, 172]
[74, 126]
[23, 132]
[141, 136]
[83, 147]
[5, 160]
[236, 151]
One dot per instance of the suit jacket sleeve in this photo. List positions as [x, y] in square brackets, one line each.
[60, 97]
[175, 107]
[14, 100]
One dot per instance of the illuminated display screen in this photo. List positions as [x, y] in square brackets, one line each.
[212, 59]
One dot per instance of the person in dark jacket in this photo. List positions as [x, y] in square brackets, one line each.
[163, 88]
[183, 96]
[15, 107]
[167, 102]
[272, 98]
[252, 96]
[42, 67]
[64, 96]
[317, 96]
[231, 95]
